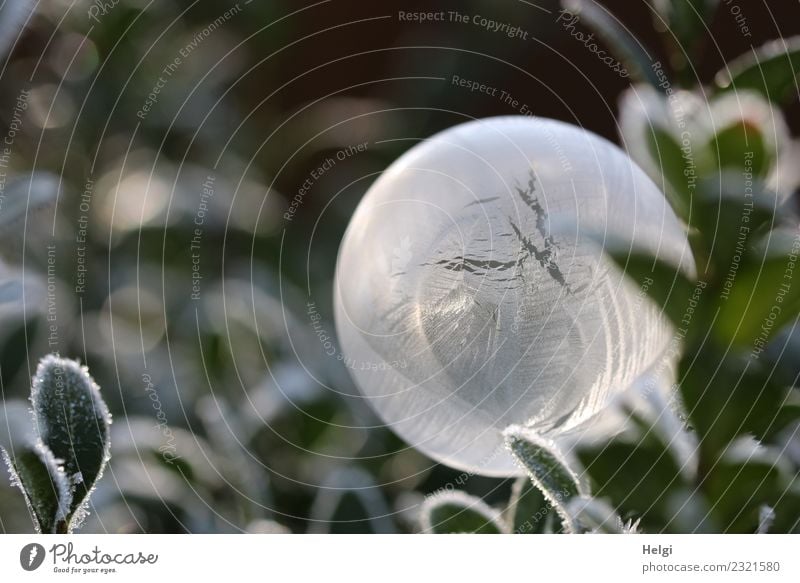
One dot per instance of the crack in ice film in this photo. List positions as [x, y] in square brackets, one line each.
[467, 262]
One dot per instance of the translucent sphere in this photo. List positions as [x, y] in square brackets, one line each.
[468, 298]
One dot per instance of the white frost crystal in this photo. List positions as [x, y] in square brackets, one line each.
[468, 298]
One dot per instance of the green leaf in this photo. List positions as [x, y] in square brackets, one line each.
[787, 511]
[783, 354]
[730, 212]
[636, 477]
[740, 489]
[741, 145]
[528, 509]
[33, 468]
[787, 416]
[772, 70]
[547, 469]
[666, 153]
[36, 472]
[686, 19]
[764, 295]
[625, 46]
[458, 512]
[665, 284]
[73, 422]
[727, 394]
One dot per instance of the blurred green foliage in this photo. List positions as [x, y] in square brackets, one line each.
[135, 122]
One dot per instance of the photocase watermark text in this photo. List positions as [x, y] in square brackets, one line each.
[569, 21]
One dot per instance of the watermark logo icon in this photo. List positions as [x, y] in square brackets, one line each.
[31, 556]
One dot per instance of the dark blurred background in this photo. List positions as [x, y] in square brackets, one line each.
[129, 171]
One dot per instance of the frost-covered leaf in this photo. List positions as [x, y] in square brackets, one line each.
[37, 473]
[547, 468]
[33, 468]
[73, 421]
[458, 512]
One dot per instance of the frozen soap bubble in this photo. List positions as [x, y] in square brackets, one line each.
[467, 298]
